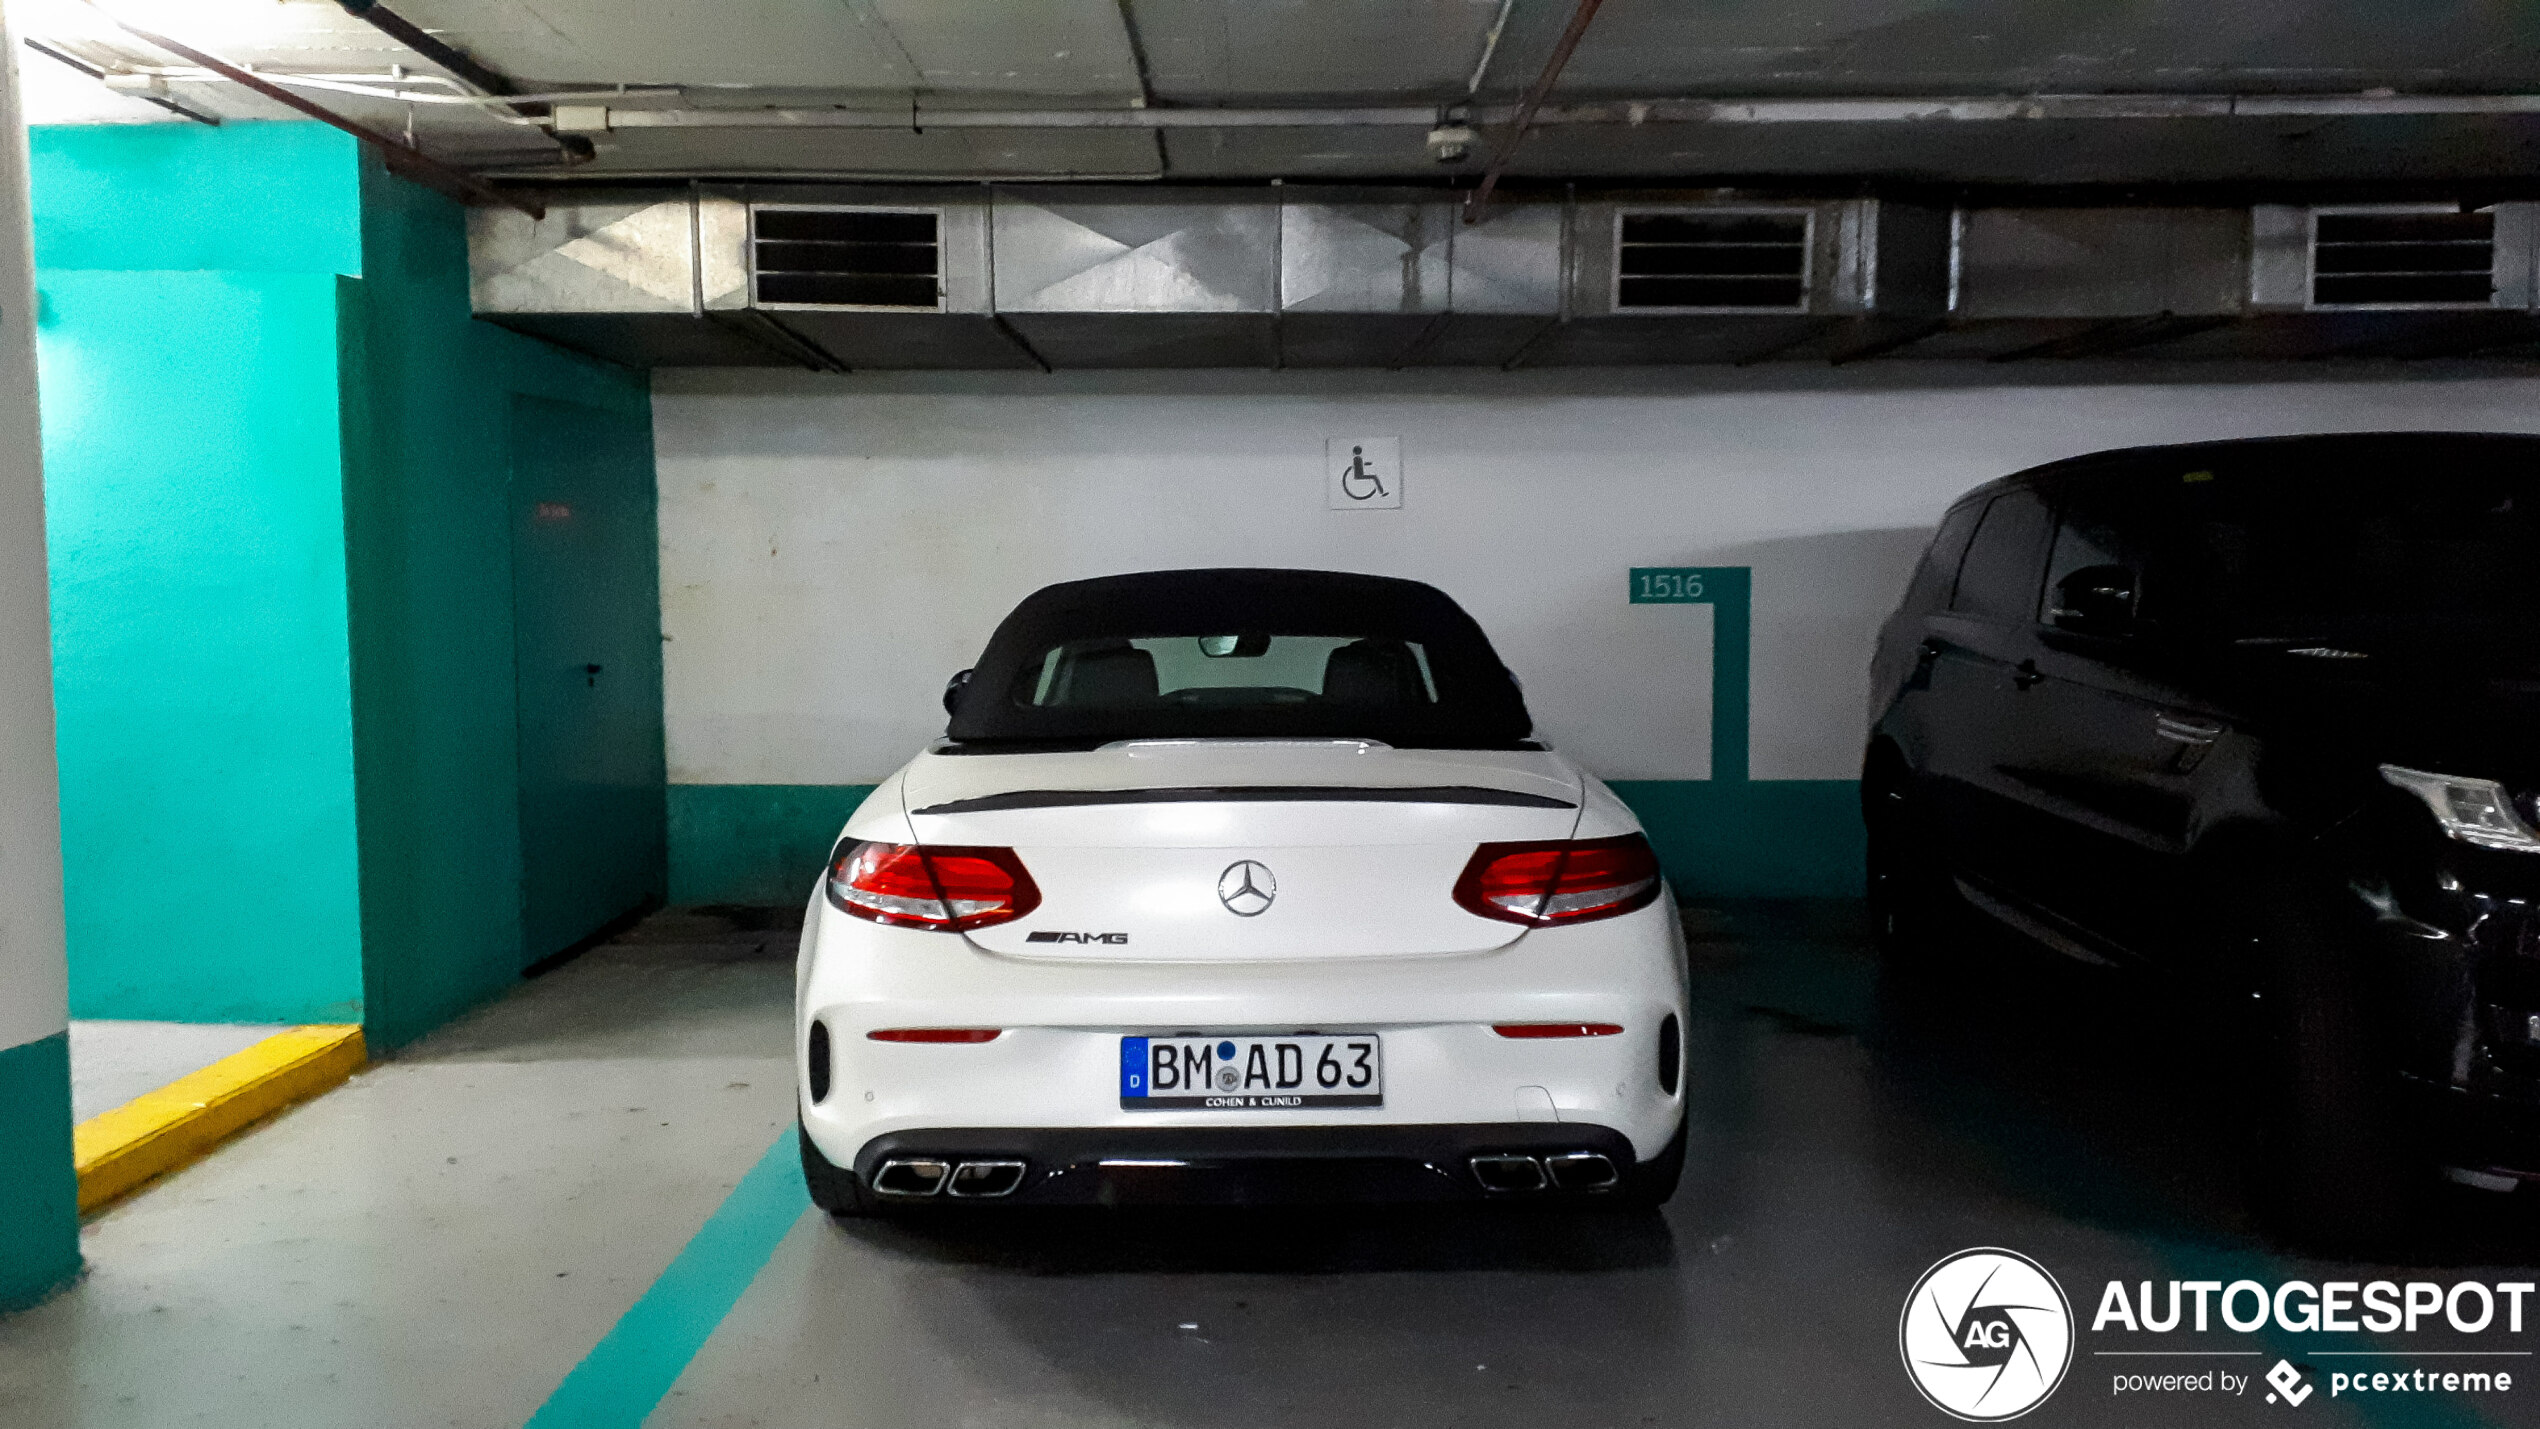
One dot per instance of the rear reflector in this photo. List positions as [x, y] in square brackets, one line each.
[1559, 880]
[816, 1062]
[947, 890]
[1556, 1029]
[936, 1034]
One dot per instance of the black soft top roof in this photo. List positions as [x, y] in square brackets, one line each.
[1478, 704]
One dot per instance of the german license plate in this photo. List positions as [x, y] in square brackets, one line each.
[1251, 1073]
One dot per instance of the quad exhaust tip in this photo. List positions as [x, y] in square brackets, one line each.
[967, 1180]
[986, 1179]
[1509, 1172]
[1581, 1170]
[913, 1176]
[982, 1179]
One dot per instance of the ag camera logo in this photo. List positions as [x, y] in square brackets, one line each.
[1986, 1335]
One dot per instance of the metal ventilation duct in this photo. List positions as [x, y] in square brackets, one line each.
[1086, 277]
[1094, 279]
[1828, 279]
[884, 259]
[634, 277]
[1724, 261]
[2291, 314]
[2403, 260]
[2393, 257]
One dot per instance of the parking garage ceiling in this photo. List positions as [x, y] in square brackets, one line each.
[2331, 94]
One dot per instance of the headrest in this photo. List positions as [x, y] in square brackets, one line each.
[1116, 675]
[1373, 672]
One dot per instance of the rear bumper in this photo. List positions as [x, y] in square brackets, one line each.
[1252, 1165]
[1056, 1061]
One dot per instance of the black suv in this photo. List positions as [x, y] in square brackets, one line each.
[2264, 716]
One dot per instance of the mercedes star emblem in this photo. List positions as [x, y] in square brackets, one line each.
[1246, 888]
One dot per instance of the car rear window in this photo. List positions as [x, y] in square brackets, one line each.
[2001, 577]
[1232, 669]
[1240, 654]
[1937, 573]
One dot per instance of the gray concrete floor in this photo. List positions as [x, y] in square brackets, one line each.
[112, 1062]
[442, 1240]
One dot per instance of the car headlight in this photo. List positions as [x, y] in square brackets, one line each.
[2475, 811]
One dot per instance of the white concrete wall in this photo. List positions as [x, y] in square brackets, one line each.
[833, 548]
[32, 994]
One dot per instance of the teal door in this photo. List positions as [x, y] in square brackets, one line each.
[586, 611]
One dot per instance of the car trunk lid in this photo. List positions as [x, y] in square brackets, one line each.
[1238, 850]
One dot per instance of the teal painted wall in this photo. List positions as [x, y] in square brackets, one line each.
[246, 197]
[436, 698]
[283, 587]
[191, 300]
[754, 843]
[39, 1197]
[1765, 838]
[195, 515]
[1775, 838]
[587, 646]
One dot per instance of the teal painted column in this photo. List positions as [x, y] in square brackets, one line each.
[194, 420]
[39, 1194]
[202, 674]
[1730, 592]
[283, 580]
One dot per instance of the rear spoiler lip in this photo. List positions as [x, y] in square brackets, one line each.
[1250, 794]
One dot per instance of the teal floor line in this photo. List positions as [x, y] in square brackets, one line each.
[626, 1374]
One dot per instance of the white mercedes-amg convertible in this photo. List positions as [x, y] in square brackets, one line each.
[1239, 886]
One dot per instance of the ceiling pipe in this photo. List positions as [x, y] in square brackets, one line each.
[1146, 91]
[1490, 48]
[102, 76]
[1479, 198]
[611, 117]
[448, 56]
[461, 65]
[402, 161]
[1965, 110]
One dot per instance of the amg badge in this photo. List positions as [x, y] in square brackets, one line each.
[1045, 936]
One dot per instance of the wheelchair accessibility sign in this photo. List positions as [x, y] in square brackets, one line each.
[1362, 473]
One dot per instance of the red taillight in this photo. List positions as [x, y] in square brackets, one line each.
[950, 890]
[936, 1034]
[1559, 880]
[1556, 1029]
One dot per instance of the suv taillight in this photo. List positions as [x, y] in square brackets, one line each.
[948, 890]
[1559, 881]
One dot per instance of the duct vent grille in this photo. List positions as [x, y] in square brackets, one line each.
[1712, 261]
[2380, 260]
[847, 258]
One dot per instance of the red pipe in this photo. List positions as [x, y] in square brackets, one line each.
[430, 172]
[1474, 202]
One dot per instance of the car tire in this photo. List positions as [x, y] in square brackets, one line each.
[1650, 1184]
[833, 1189]
[2339, 1167]
[1909, 895]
